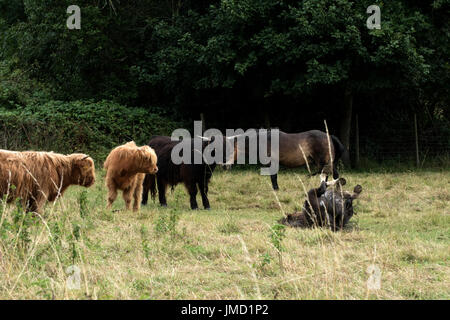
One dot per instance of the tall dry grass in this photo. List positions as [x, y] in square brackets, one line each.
[402, 227]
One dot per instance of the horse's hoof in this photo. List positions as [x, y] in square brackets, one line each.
[164, 205]
[342, 181]
[208, 208]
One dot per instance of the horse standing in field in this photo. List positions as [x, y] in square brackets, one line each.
[195, 176]
[304, 148]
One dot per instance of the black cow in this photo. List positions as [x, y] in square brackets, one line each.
[194, 176]
[332, 207]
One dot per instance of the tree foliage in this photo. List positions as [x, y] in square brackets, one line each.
[241, 62]
[79, 126]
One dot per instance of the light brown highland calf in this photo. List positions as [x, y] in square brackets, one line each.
[126, 167]
[37, 177]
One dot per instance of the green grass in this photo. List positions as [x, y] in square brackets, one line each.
[402, 226]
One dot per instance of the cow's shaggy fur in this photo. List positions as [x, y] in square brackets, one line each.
[126, 167]
[37, 177]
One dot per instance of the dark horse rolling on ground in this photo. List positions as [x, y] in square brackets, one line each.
[306, 148]
[324, 207]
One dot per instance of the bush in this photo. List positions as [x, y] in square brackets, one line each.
[79, 126]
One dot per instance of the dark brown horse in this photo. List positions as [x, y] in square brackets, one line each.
[325, 207]
[311, 148]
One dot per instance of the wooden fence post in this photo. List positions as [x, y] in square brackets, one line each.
[417, 141]
[357, 141]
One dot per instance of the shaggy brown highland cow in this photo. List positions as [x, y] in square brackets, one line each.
[37, 177]
[126, 167]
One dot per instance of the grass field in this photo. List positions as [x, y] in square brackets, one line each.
[402, 228]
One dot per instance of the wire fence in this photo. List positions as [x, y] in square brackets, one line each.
[405, 141]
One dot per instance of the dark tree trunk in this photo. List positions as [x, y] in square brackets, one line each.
[202, 119]
[346, 123]
[356, 141]
[266, 120]
[266, 109]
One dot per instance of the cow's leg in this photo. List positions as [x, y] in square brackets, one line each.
[138, 193]
[145, 189]
[162, 186]
[128, 196]
[112, 195]
[137, 198]
[31, 205]
[40, 202]
[204, 193]
[112, 192]
[273, 178]
[192, 189]
[34, 203]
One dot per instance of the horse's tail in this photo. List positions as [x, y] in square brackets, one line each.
[339, 150]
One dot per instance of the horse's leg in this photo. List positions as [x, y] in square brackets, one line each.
[315, 173]
[320, 166]
[327, 169]
[335, 172]
[308, 208]
[312, 209]
[314, 163]
[273, 178]
[323, 166]
[327, 166]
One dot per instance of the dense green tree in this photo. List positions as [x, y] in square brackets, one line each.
[290, 48]
[243, 63]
